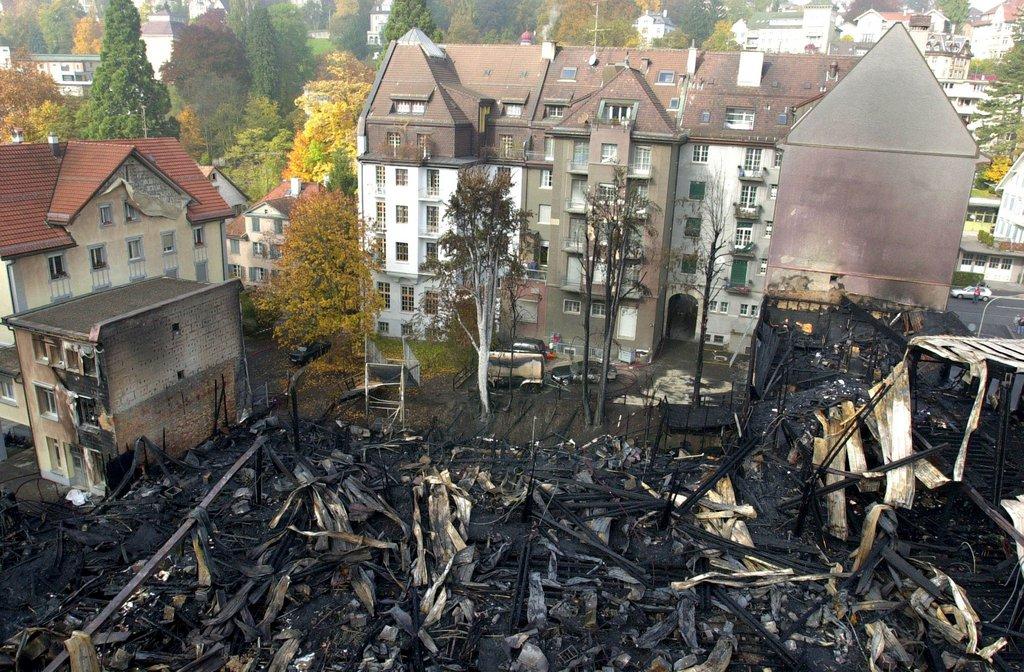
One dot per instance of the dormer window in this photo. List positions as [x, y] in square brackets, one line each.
[568, 74]
[554, 111]
[673, 104]
[414, 107]
[666, 77]
[739, 118]
[513, 109]
[617, 112]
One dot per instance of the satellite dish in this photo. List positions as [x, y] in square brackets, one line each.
[593, 60]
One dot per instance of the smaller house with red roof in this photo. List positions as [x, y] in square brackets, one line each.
[255, 236]
[992, 33]
[79, 217]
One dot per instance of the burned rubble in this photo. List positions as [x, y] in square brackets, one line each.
[818, 526]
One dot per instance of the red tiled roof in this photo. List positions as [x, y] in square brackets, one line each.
[171, 158]
[28, 175]
[278, 198]
[38, 190]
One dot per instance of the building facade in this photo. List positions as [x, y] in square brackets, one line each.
[651, 26]
[255, 237]
[1001, 262]
[72, 73]
[102, 370]
[1010, 219]
[872, 24]
[81, 217]
[378, 19]
[562, 122]
[868, 203]
[808, 29]
[158, 34]
[236, 199]
[992, 33]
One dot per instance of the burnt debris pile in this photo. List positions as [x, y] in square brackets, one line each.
[862, 513]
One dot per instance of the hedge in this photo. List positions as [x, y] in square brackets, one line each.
[966, 278]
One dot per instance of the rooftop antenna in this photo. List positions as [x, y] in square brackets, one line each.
[597, 29]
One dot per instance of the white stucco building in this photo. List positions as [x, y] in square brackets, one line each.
[378, 19]
[1010, 220]
[72, 73]
[653, 26]
[158, 33]
[805, 29]
[992, 34]
[872, 24]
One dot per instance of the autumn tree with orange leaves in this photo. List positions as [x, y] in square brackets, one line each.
[332, 105]
[88, 38]
[324, 288]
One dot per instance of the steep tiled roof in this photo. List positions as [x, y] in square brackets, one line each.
[235, 227]
[38, 190]
[787, 81]
[626, 84]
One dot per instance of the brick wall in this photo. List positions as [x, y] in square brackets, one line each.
[162, 365]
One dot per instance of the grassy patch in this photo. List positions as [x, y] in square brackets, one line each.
[436, 357]
[984, 193]
[320, 46]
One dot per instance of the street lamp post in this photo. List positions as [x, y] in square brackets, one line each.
[988, 303]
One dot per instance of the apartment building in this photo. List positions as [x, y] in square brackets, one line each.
[255, 237]
[152, 359]
[80, 217]
[378, 19]
[992, 33]
[561, 121]
[734, 111]
[872, 24]
[72, 73]
[651, 26]
[808, 29]
[869, 203]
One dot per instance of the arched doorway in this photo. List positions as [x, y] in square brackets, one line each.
[682, 317]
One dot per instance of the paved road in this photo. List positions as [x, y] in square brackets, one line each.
[998, 318]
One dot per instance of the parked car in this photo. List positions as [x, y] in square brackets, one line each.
[573, 373]
[968, 293]
[532, 345]
[524, 368]
[304, 354]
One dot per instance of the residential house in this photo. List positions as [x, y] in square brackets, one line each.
[872, 24]
[874, 187]
[5, 57]
[197, 8]
[78, 217]
[378, 19]
[991, 34]
[1010, 219]
[254, 238]
[72, 73]
[651, 26]
[735, 108]
[157, 359]
[559, 121]
[1002, 261]
[158, 33]
[232, 194]
[808, 29]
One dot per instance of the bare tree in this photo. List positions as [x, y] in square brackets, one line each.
[711, 250]
[476, 252]
[613, 259]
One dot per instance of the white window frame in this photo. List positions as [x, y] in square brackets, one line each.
[572, 306]
[740, 118]
[142, 249]
[52, 263]
[109, 209]
[198, 236]
[102, 249]
[609, 152]
[164, 249]
[43, 390]
[546, 178]
[7, 393]
[700, 153]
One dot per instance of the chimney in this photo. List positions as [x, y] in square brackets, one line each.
[54, 144]
[17, 136]
[691, 61]
[749, 72]
[547, 50]
[296, 186]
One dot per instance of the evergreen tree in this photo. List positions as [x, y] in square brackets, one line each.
[294, 58]
[57, 21]
[126, 100]
[261, 51]
[1001, 128]
[408, 14]
[697, 18]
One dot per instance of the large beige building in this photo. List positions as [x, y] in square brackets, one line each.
[80, 217]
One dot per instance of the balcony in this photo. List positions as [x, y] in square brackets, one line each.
[752, 174]
[739, 289]
[579, 164]
[641, 172]
[539, 274]
[415, 153]
[747, 210]
[576, 205]
[573, 244]
[380, 190]
[538, 157]
[744, 250]
[378, 229]
[504, 153]
[430, 194]
[430, 232]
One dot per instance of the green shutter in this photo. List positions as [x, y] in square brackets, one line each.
[692, 226]
[739, 273]
[697, 190]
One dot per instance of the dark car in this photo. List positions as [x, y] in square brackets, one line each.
[304, 354]
[573, 373]
[532, 345]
